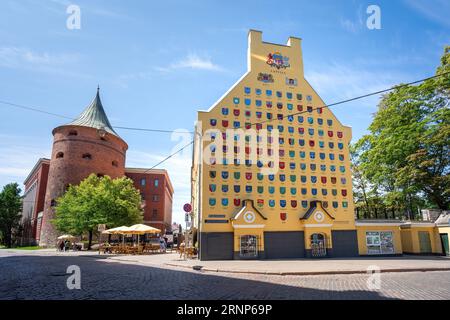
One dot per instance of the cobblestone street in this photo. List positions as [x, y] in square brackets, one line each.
[43, 276]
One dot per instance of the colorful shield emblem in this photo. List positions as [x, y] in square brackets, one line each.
[330, 134]
[259, 114]
[237, 202]
[212, 174]
[271, 177]
[294, 203]
[323, 179]
[283, 216]
[225, 202]
[237, 175]
[282, 165]
[282, 190]
[212, 201]
[283, 203]
[260, 176]
[344, 192]
[301, 130]
[224, 188]
[247, 150]
[248, 189]
[248, 175]
[340, 146]
[213, 122]
[237, 189]
[292, 165]
[225, 174]
[311, 132]
[260, 189]
[293, 178]
[225, 111]
[271, 190]
[271, 203]
[313, 179]
[311, 143]
[340, 135]
[282, 177]
[293, 191]
[333, 180]
[212, 188]
[260, 202]
[225, 123]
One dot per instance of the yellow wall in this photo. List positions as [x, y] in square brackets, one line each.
[410, 238]
[257, 63]
[361, 231]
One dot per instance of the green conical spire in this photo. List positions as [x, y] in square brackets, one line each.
[94, 116]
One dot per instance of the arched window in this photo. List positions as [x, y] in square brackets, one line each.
[60, 155]
[87, 156]
[53, 203]
[73, 133]
[115, 163]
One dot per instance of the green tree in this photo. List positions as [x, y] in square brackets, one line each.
[10, 211]
[406, 153]
[98, 200]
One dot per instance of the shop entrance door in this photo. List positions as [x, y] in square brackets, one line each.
[424, 242]
[318, 245]
[444, 241]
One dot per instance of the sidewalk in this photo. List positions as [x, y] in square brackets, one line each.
[319, 266]
[297, 266]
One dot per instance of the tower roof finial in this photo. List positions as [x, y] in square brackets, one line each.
[94, 116]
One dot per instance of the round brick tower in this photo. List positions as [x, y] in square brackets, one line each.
[87, 145]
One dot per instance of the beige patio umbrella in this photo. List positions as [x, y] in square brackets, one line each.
[66, 237]
[141, 229]
[117, 230]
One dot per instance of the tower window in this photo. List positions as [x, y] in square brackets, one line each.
[115, 163]
[73, 133]
[87, 156]
[60, 155]
[53, 203]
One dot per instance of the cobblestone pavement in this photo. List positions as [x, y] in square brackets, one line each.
[43, 276]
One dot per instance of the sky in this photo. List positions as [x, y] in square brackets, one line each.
[159, 62]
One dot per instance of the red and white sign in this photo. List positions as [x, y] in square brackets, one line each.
[187, 207]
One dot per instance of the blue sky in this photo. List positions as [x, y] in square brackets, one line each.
[158, 62]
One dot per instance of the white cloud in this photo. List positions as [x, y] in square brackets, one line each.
[17, 57]
[18, 155]
[341, 81]
[436, 10]
[192, 61]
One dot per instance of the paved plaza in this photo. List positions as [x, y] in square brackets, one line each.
[42, 275]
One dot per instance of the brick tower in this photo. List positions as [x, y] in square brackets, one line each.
[86, 145]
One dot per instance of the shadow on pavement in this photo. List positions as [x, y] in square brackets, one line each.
[42, 277]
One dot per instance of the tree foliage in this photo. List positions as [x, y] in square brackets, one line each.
[406, 155]
[98, 200]
[10, 211]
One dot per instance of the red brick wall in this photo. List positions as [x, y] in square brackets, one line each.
[163, 218]
[72, 168]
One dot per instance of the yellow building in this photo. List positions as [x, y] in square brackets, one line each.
[271, 170]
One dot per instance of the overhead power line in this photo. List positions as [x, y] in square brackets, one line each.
[29, 108]
[326, 106]
[35, 109]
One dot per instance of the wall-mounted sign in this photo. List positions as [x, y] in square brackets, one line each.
[265, 77]
[277, 60]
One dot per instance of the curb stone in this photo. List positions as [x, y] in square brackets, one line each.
[306, 273]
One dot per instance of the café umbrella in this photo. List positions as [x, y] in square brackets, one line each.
[141, 229]
[66, 237]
